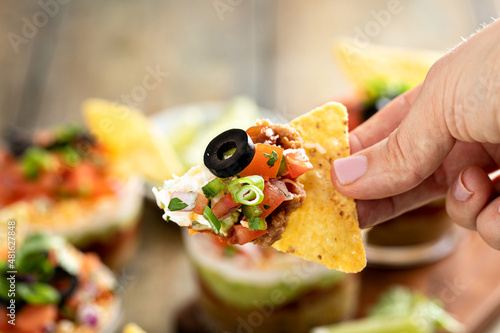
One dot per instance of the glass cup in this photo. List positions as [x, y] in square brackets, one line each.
[252, 289]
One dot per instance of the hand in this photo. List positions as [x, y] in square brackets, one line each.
[440, 138]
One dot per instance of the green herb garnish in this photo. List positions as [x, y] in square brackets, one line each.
[66, 135]
[266, 206]
[176, 204]
[38, 293]
[34, 161]
[70, 156]
[273, 157]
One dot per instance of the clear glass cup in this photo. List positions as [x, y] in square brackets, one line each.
[252, 289]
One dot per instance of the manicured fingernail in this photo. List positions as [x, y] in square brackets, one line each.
[350, 169]
[461, 192]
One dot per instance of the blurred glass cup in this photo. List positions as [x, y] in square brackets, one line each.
[248, 288]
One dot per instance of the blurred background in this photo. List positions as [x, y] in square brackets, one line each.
[277, 52]
[154, 55]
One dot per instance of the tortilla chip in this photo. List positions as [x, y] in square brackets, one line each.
[370, 63]
[325, 228]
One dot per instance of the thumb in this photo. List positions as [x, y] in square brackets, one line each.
[410, 154]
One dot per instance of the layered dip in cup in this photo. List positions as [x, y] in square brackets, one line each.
[55, 289]
[250, 288]
[63, 182]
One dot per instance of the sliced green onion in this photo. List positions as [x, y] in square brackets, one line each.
[235, 185]
[213, 187]
[257, 223]
[212, 219]
[251, 211]
[249, 195]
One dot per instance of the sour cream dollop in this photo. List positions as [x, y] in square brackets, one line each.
[191, 181]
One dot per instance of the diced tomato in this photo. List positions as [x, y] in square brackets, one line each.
[255, 132]
[36, 318]
[217, 241]
[200, 203]
[81, 178]
[259, 164]
[242, 235]
[273, 197]
[224, 205]
[297, 163]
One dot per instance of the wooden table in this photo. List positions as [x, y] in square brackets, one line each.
[467, 282]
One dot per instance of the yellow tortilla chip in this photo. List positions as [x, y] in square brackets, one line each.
[369, 63]
[325, 228]
[129, 138]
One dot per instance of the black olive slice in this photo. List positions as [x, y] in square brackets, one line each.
[216, 159]
[64, 282]
[17, 139]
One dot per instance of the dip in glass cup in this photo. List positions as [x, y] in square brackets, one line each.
[252, 289]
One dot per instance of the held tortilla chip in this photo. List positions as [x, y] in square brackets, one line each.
[325, 228]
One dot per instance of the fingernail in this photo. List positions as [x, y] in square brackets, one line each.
[461, 192]
[350, 169]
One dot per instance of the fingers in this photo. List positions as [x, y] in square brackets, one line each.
[440, 115]
[373, 212]
[434, 187]
[380, 125]
[488, 224]
[468, 196]
[398, 163]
